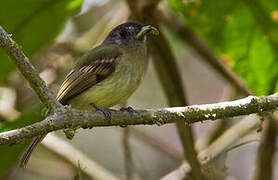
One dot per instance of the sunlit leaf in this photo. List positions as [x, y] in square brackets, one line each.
[243, 32]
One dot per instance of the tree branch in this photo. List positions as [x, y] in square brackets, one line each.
[127, 154]
[170, 79]
[266, 151]
[169, 76]
[73, 118]
[27, 69]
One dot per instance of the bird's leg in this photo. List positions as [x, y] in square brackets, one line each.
[106, 112]
[128, 109]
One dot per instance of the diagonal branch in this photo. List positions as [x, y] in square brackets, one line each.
[77, 158]
[186, 34]
[220, 145]
[72, 118]
[27, 69]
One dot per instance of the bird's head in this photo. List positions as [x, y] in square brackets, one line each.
[130, 33]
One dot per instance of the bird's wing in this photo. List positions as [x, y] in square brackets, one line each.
[92, 68]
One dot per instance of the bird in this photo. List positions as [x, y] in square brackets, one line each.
[106, 75]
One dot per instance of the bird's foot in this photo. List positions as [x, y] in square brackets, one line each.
[106, 112]
[128, 109]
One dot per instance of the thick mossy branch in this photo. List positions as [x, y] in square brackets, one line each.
[27, 69]
[72, 118]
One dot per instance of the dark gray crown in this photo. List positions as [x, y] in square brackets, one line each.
[125, 34]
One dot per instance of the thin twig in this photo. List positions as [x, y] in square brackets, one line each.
[27, 69]
[242, 144]
[73, 118]
[127, 154]
[222, 143]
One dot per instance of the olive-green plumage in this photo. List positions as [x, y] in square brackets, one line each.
[106, 75]
[106, 80]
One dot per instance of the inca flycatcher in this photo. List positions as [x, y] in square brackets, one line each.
[106, 75]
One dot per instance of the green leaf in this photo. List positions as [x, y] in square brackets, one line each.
[244, 33]
[11, 154]
[32, 24]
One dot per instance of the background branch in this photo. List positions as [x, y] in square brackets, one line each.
[127, 154]
[267, 146]
[186, 34]
[219, 146]
[79, 160]
[170, 78]
[266, 151]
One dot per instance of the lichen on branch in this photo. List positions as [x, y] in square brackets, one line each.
[73, 118]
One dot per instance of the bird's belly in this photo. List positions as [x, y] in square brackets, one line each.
[113, 90]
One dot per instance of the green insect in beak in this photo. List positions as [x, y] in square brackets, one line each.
[147, 29]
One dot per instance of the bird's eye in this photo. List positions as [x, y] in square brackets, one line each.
[123, 34]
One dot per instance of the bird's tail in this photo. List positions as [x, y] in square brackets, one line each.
[27, 154]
